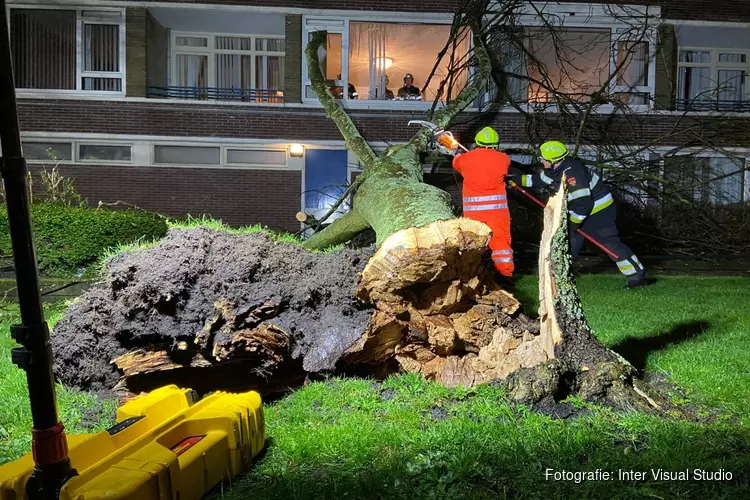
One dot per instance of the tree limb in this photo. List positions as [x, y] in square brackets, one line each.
[340, 231]
[341, 199]
[354, 140]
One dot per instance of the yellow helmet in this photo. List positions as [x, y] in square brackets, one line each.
[553, 151]
[487, 137]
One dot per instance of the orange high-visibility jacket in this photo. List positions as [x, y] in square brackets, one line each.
[485, 199]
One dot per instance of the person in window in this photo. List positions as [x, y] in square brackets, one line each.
[409, 91]
[388, 92]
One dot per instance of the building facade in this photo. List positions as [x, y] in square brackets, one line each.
[205, 107]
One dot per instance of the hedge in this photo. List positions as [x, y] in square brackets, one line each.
[69, 240]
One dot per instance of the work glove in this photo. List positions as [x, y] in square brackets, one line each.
[513, 177]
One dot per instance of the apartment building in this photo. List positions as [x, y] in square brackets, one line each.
[205, 107]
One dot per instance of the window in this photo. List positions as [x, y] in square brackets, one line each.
[573, 64]
[47, 151]
[187, 155]
[712, 79]
[68, 49]
[718, 180]
[246, 68]
[371, 60]
[381, 54]
[631, 82]
[97, 152]
[258, 157]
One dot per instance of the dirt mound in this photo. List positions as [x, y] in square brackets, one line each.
[193, 283]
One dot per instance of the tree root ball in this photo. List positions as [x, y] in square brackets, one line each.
[193, 296]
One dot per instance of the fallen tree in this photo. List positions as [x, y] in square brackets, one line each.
[214, 310]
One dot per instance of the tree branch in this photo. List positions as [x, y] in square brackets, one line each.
[340, 231]
[354, 141]
[341, 199]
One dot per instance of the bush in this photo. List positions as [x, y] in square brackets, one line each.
[70, 239]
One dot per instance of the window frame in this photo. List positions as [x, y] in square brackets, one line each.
[75, 153]
[265, 166]
[77, 150]
[340, 25]
[80, 21]
[210, 51]
[598, 17]
[620, 36]
[715, 66]
[742, 154]
[223, 147]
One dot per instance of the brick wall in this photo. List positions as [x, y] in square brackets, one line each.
[666, 68]
[716, 10]
[237, 197]
[156, 52]
[293, 59]
[302, 124]
[135, 52]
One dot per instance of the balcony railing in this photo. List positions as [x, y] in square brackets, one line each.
[215, 93]
[712, 105]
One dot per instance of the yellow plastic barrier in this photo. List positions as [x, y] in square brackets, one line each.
[165, 445]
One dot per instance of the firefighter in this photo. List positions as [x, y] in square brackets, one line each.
[409, 90]
[590, 207]
[484, 196]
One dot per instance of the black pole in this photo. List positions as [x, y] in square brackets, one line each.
[49, 444]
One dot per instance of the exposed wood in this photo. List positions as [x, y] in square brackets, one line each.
[549, 328]
[147, 361]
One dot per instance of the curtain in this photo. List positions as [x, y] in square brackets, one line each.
[727, 188]
[695, 83]
[43, 44]
[191, 71]
[377, 38]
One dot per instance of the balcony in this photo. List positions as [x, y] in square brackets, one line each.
[731, 106]
[216, 94]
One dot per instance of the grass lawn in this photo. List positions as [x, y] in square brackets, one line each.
[407, 438]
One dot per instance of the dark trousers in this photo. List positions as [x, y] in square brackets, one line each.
[602, 226]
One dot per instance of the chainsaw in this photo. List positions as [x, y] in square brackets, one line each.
[443, 140]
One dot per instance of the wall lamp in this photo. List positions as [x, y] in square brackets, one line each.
[296, 150]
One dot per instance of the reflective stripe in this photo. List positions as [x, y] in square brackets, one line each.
[503, 259]
[602, 203]
[504, 252]
[527, 180]
[484, 207]
[494, 197]
[577, 218]
[544, 178]
[594, 180]
[574, 195]
[635, 259]
[628, 270]
[624, 263]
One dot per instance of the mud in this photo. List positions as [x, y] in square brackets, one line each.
[171, 292]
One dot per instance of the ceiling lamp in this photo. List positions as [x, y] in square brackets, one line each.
[384, 62]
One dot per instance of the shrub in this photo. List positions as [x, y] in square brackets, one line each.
[70, 239]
